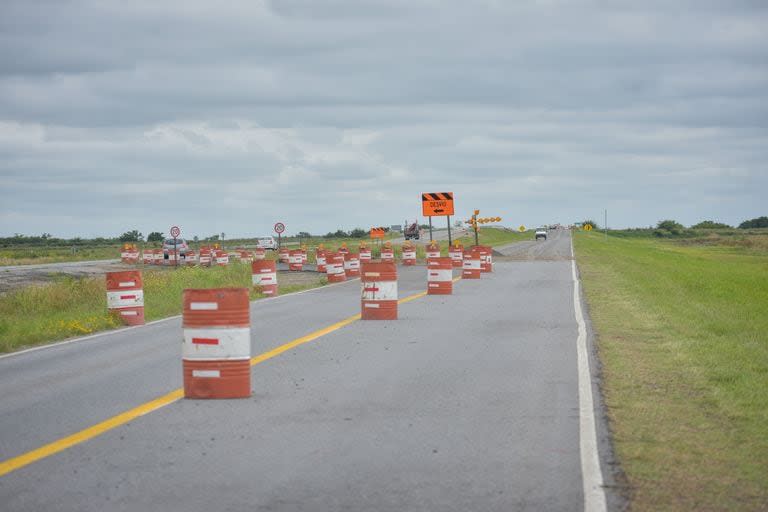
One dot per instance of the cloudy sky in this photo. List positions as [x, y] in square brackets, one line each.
[228, 116]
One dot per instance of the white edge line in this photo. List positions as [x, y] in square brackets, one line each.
[591, 474]
[153, 322]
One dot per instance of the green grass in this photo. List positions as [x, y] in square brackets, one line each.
[682, 333]
[23, 255]
[73, 307]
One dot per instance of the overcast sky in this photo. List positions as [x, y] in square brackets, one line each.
[229, 116]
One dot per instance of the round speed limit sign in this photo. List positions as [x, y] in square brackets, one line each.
[175, 231]
[279, 227]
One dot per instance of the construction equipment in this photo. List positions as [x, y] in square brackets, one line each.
[411, 230]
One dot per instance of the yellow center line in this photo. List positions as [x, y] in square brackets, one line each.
[96, 430]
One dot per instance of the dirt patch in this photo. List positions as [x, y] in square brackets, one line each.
[26, 275]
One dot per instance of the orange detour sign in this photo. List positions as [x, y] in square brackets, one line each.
[334, 267]
[471, 268]
[264, 277]
[217, 343]
[437, 204]
[125, 296]
[377, 233]
[379, 290]
[439, 276]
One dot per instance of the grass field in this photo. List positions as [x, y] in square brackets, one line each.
[73, 307]
[682, 334]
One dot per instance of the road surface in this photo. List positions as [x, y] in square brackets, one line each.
[467, 402]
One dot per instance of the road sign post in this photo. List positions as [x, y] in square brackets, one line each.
[430, 228]
[449, 230]
[175, 232]
[279, 229]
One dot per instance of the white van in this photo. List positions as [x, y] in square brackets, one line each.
[267, 242]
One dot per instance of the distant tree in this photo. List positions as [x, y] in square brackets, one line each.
[340, 234]
[759, 222]
[358, 233]
[424, 226]
[131, 236]
[304, 234]
[669, 225]
[196, 239]
[710, 224]
[212, 238]
[155, 236]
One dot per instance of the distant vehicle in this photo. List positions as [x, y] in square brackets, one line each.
[412, 231]
[541, 233]
[181, 247]
[396, 227]
[267, 242]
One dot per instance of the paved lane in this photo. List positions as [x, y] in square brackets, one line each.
[468, 402]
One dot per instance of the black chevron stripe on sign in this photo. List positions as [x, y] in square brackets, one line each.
[437, 196]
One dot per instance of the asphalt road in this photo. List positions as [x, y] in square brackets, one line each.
[467, 402]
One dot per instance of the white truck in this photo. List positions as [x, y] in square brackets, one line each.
[541, 233]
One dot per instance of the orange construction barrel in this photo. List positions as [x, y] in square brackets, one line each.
[433, 251]
[205, 257]
[125, 296]
[320, 260]
[486, 258]
[217, 343]
[295, 260]
[379, 290]
[351, 265]
[190, 258]
[471, 267]
[387, 254]
[147, 257]
[284, 255]
[259, 253]
[264, 276]
[439, 276]
[409, 255]
[456, 253]
[334, 267]
[365, 254]
[222, 257]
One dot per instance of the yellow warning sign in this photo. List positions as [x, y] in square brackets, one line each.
[521, 228]
[587, 227]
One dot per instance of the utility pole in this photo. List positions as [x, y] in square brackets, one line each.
[605, 224]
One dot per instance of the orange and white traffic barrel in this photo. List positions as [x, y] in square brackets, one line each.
[245, 256]
[379, 290]
[304, 257]
[365, 254]
[217, 343]
[456, 254]
[486, 258]
[190, 258]
[351, 265]
[147, 257]
[334, 267]
[133, 255]
[259, 253]
[171, 260]
[205, 257]
[387, 254]
[439, 276]
[264, 276]
[409, 255]
[320, 260]
[471, 267]
[125, 296]
[158, 257]
[343, 249]
[124, 254]
[283, 255]
[222, 257]
[433, 251]
[295, 260]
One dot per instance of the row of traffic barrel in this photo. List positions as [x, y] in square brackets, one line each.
[205, 256]
[216, 349]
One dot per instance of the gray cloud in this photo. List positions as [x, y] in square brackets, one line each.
[227, 117]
